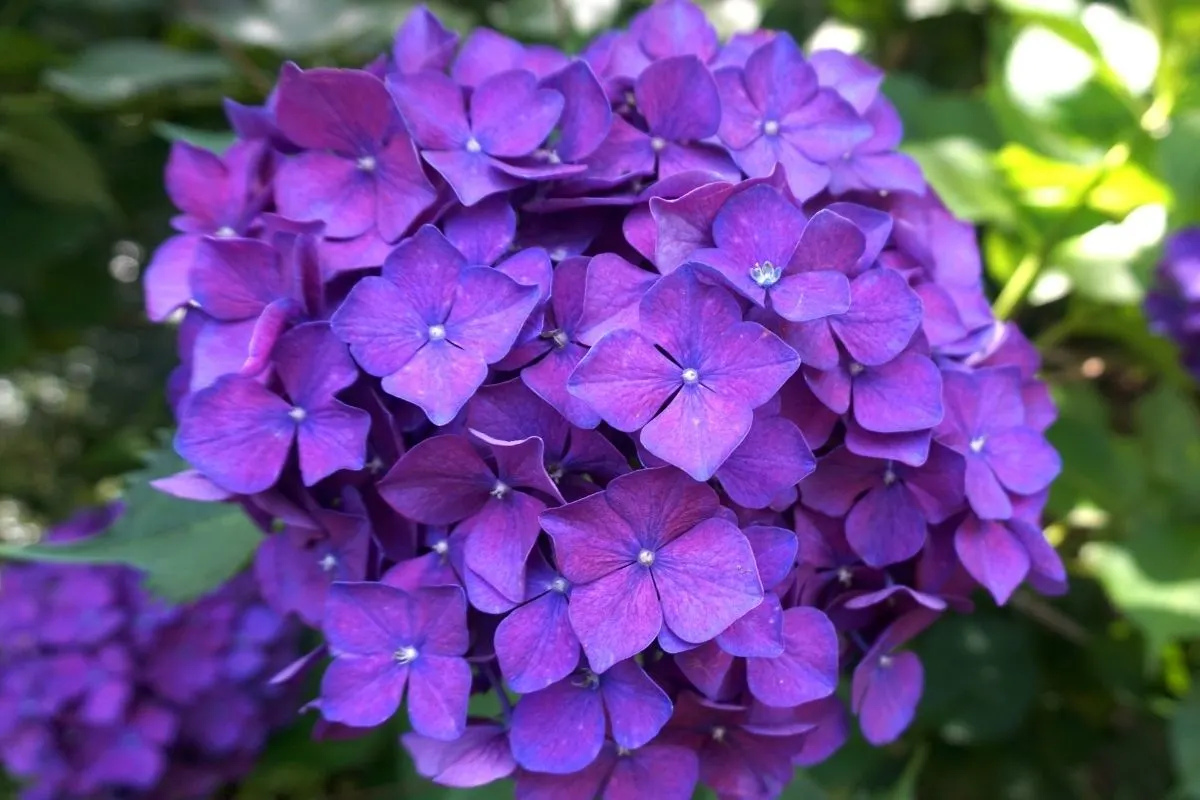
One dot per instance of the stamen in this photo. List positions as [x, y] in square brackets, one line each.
[771, 127]
[658, 144]
[437, 333]
[328, 562]
[367, 163]
[856, 368]
[646, 558]
[885, 661]
[405, 655]
[718, 733]
[473, 145]
[845, 576]
[500, 490]
[558, 585]
[441, 547]
[298, 414]
[977, 444]
[765, 274]
[225, 232]
[690, 376]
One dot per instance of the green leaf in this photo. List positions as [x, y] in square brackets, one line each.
[302, 26]
[1169, 429]
[1185, 742]
[185, 548]
[962, 173]
[215, 141]
[49, 162]
[980, 677]
[118, 70]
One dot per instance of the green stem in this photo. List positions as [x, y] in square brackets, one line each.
[1030, 267]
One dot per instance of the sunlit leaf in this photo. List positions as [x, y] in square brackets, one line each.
[118, 70]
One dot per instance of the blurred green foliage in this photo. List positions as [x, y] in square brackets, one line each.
[1068, 131]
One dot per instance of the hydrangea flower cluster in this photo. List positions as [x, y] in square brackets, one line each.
[1173, 306]
[106, 692]
[646, 392]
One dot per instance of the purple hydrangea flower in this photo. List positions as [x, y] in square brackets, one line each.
[1171, 304]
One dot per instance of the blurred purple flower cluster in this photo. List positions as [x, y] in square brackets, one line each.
[1173, 306]
[106, 692]
[649, 391]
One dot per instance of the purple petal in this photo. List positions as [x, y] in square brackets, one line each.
[612, 294]
[235, 279]
[587, 115]
[992, 555]
[884, 314]
[237, 433]
[637, 708]
[535, 644]
[698, 431]
[332, 438]
[558, 730]
[675, 28]
[378, 323]
[678, 97]
[438, 691]
[440, 378]
[402, 192]
[485, 53]
[886, 690]
[440, 481]
[488, 312]
[167, 281]
[344, 110]
[829, 242]
[191, 485]
[472, 176]
[320, 185]
[758, 633]
[624, 379]
[661, 504]
[423, 43]
[511, 115]
[1022, 459]
[711, 670]
[808, 668]
[886, 526]
[548, 379]
[362, 691]
[617, 616]
[484, 232]
[478, 757]
[903, 395]
[433, 109]
[684, 224]
[661, 771]
[778, 78]
[775, 552]
[706, 579]
[499, 538]
[984, 492]
[581, 554]
[811, 295]
[771, 459]
[911, 448]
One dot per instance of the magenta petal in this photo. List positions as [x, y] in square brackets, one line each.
[432, 107]
[581, 554]
[478, 757]
[472, 176]
[167, 280]
[538, 725]
[992, 555]
[903, 395]
[377, 321]
[332, 438]
[775, 551]
[771, 459]
[362, 691]
[439, 688]
[886, 690]
[706, 579]
[548, 379]
[343, 110]
[758, 633]
[886, 526]
[884, 314]
[439, 378]
[488, 312]
[587, 115]
[637, 708]
[613, 291]
[535, 644]
[808, 668]
[237, 433]
[661, 771]
[624, 379]
[617, 616]
[698, 431]
[402, 191]
[805, 296]
[709, 668]
[235, 279]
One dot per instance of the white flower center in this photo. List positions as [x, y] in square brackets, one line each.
[845, 576]
[558, 585]
[473, 145]
[646, 558]
[437, 333]
[406, 655]
[328, 562]
[500, 490]
[225, 232]
[298, 414]
[367, 163]
[885, 661]
[441, 547]
[771, 127]
[856, 368]
[889, 476]
[765, 274]
[658, 144]
[690, 375]
[977, 444]
[718, 733]
[558, 254]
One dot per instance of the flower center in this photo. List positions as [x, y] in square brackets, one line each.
[558, 254]
[977, 444]
[658, 144]
[367, 163]
[718, 733]
[586, 679]
[437, 333]
[297, 414]
[845, 576]
[646, 558]
[690, 376]
[328, 562]
[556, 472]
[500, 490]
[765, 274]
[771, 127]
[405, 655]
[441, 547]
[889, 476]
[856, 368]
[473, 145]
[885, 661]
[558, 585]
[225, 232]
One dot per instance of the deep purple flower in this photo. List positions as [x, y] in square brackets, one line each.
[775, 113]
[1002, 554]
[985, 422]
[902, 395]
[692, 352]
[422, 42]
[384, 640]
[887, 684]
[484, 146]
[660, 770]
[535, 644]
[432, 324]
[647, 553]
[623, 699]
[358, 169]
[478, 757]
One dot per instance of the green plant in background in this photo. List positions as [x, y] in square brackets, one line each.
[1069, 132]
